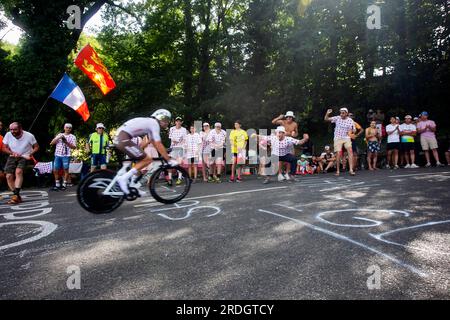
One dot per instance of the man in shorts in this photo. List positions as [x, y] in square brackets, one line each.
[345, 127]
[177, 136]
[427, 130]
[407, 133]
[20, 145]
[238, 139]
[65, 143]
[97, 143]
[216, 138]
[393, 144]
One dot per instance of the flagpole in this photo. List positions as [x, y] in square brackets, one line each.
[42, 108]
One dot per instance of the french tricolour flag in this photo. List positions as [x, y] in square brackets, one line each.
[71, 95]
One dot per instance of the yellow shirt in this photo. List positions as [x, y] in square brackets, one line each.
[238, 139]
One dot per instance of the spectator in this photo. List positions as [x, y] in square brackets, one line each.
[281, 145]
[407, 132]
[193, 152]
[65, 142]
[315, 164]
[307, 148]
[373, 138]
[206, 151]
[288, 122]
[302, 165]
[97, 144]
[217, 138]
[427, 130]
[344, 128]
[238, 139]
[177, 136]
[327, 159]
[20, 145]
[393, 144]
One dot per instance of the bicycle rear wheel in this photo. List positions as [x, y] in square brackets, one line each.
[167, 190]
[90, 193]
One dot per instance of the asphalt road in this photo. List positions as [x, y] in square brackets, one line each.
[382, 235]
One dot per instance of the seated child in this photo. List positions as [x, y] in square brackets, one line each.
[302, 165]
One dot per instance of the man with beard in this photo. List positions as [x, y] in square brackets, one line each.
[20, 145]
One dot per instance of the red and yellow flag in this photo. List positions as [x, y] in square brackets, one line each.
[89, 62]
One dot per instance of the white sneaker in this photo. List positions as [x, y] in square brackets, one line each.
[142, 193]
[281, 177]
[123, 184]
[407, 166]
[388, 166]
[428, 165]
[288, 178]
[396, 167]
[440, 164]
[414, 166]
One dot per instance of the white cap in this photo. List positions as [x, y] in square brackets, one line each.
[206, 124]
[281, 129]
[327, 148]
[343, 109]
[218, 124]
[289, 114]
[68, 125]
[408, 117]
[100, 125]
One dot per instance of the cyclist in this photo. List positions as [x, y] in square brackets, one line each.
[142, 127]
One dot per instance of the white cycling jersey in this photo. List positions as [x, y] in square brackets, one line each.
[139, 127]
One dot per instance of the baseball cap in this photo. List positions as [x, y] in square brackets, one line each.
[327, 148]
[179, 118]
[289, 114]
[408, 117]
[343, 109]
[100, 126]
[424, 114]
[281, 129]
[302, 156]
[218, 124]
[68, 125]
[206, 124]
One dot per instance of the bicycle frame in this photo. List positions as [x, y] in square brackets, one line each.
[125, 166]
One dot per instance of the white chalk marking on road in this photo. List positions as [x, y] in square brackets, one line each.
[341, 237]
[319, 202]
[189, 213]
[440, 174]
[376, 223]
[46, 229]
[70, 195]
[218, 195]
[381, 235]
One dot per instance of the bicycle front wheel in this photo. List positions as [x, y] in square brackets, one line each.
[90, 193]
[167, 188]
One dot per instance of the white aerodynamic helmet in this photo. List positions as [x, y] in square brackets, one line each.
[162, 115]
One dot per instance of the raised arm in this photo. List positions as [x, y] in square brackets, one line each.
[278, 120]
[327, 115]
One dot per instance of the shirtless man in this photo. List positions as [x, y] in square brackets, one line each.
[288, 122]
